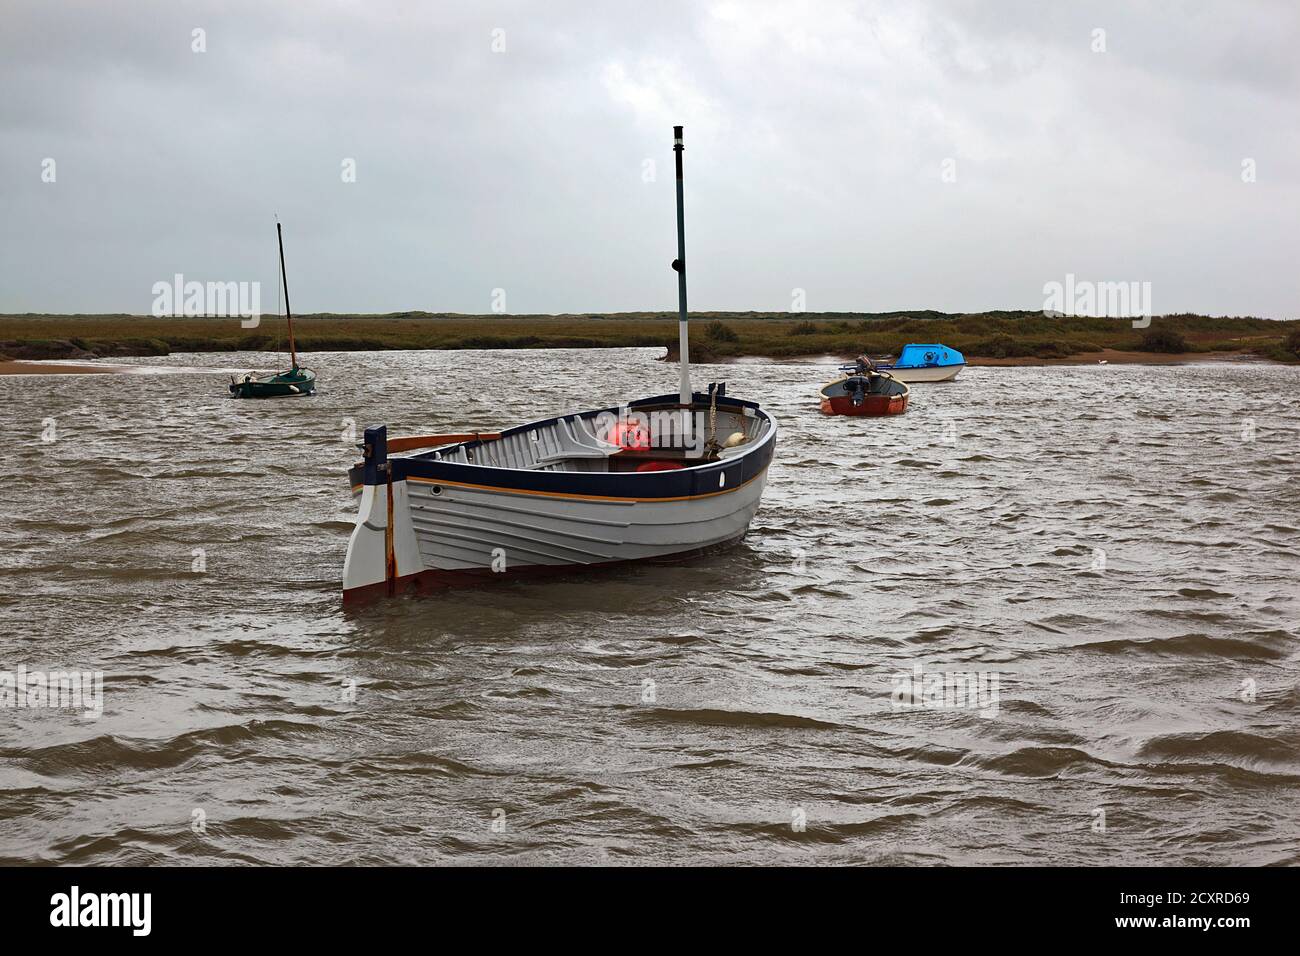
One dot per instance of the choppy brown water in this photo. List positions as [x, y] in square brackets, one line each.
[962, 536]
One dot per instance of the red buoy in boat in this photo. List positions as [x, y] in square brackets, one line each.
[659, 465]
[630, 435]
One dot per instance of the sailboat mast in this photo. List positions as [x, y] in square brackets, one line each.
[683, 335]
[284, 279]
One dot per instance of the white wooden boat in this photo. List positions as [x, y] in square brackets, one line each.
[556, 495]
[666, 477]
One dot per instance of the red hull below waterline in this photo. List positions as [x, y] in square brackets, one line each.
[873, 405]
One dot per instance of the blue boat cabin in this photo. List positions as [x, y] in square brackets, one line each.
[928, 356]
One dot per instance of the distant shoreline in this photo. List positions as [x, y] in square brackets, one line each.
[1118, 357]
[986, 338]
[1106, 357]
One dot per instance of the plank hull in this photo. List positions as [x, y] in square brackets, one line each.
[464, 535]
[284, 385]
[929, 373]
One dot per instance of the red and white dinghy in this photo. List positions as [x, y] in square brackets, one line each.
[864, 391]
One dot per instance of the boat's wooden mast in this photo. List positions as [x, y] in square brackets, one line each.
[683, 334]
[284, 280]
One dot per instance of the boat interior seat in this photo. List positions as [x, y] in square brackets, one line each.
[585, 432]
[563, 441]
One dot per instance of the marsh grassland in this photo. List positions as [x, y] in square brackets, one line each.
[716, 336]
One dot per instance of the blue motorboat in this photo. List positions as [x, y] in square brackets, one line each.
[924, 363]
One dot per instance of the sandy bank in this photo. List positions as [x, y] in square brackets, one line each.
[10, 367]
[1117, 357]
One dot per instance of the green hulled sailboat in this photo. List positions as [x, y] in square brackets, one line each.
[296, 380]
[293, 381]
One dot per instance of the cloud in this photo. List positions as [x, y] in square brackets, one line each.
[817, 137]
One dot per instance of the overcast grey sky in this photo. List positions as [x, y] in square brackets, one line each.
[816, 133]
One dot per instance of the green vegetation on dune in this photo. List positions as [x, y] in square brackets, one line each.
[1163, 339]
[720, 335]
[1289, 350]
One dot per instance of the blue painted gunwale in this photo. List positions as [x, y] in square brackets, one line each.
[692, 481]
